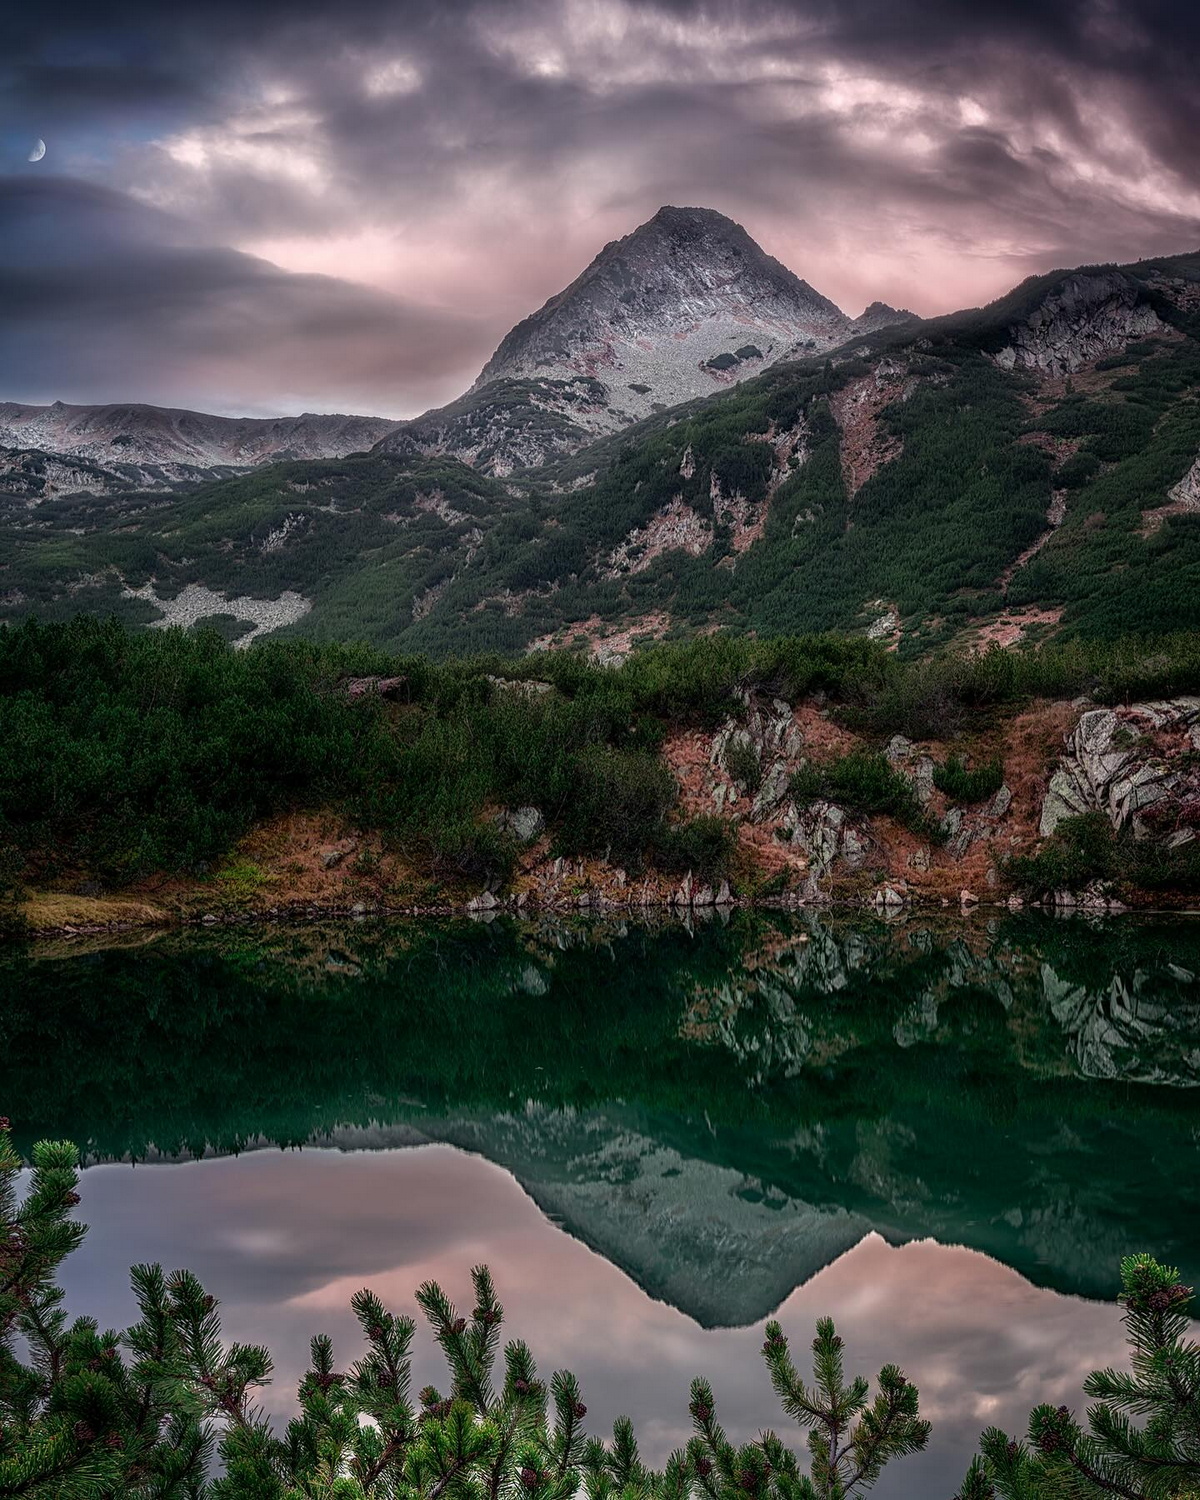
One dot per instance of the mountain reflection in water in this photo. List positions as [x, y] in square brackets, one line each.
[720, 1112]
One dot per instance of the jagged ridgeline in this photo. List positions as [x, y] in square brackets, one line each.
[688, 436]
[745, 1104]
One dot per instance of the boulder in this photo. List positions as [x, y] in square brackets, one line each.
[329, 859]
[525, 824]
[826, 835]
[376, 687]
[999, 804]
[524, 687]
[923, 779]
[772, 791]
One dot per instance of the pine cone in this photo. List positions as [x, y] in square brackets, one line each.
[521, 1386]
[375, 1332]
[83, 1433]
[70, 1199]
[700, 1411]
[209, 1303]
[704, 1467]
[529, 1478]
[579, 1411]
[4, 1123]
[747, 1479]
[114, 1440]
[428, 1396]
[1013, 1451]
[459, 1325]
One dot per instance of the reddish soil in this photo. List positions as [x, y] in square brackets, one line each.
[865, 446]
[602, 640]
[1011, 626]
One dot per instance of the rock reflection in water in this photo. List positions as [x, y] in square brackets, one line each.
[719, 1112]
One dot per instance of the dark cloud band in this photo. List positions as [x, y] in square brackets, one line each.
[473, 155]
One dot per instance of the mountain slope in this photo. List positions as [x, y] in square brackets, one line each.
[1006, 472]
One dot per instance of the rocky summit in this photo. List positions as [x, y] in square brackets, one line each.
[685, 306]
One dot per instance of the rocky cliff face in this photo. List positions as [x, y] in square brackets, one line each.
[153, 435]
[1088, 316]
[1127, 762]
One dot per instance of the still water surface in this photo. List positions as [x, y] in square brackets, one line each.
[942, 1134]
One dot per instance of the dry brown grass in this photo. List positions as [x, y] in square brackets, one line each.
[56, 911]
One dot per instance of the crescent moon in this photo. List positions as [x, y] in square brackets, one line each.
[39, 150]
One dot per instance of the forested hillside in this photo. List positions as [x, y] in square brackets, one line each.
[1025, 470]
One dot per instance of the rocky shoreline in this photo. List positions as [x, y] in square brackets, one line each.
[1134, 769]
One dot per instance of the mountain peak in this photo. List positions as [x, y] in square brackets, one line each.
[685, 303]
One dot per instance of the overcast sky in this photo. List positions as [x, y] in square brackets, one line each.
[276, 205]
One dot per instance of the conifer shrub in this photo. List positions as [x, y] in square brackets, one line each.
[1080, 850]
[1087, 848]
[703, 845]
[168, 1407]
[962, 785]
[158, 1409]
[618, 805]
[862, 782]
[1141, 1437]
[743, 765]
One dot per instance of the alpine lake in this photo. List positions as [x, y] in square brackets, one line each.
[942, 1132]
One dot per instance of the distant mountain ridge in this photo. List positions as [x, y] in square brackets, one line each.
[123, 433]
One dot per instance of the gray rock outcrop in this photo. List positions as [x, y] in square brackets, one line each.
[1091, 314]
[1111, 765]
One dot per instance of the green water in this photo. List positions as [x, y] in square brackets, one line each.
[720, 1112]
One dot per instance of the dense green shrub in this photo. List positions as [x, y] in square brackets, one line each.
[618, 804]
[862, 782]
[1088, 848]
[702, 845]
[743, 765]
[1079, 851]
[962, 785]
[124, 752]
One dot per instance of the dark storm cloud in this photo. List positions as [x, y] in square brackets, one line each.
[473, 155]
[102, 298]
